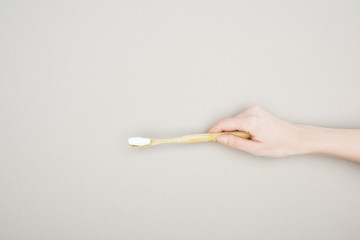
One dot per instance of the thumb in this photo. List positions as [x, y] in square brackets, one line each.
[243, 144]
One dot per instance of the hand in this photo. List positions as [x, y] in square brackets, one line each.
[271, 136]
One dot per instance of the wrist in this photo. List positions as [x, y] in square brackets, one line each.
[310, 139]
[342, 143]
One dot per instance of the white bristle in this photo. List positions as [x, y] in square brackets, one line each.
[139, 141]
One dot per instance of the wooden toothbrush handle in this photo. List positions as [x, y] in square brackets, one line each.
[208, 137]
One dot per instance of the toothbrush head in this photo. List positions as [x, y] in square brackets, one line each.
[139, 141]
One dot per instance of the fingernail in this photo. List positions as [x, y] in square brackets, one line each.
[223, 139]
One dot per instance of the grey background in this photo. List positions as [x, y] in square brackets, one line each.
[80, 77]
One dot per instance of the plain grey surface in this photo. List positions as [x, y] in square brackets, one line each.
[78, 78]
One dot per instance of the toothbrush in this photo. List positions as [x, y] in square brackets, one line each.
[194, 138]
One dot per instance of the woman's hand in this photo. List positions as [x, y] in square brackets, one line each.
[273, 137]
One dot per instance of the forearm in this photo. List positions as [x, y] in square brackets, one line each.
[342, 143]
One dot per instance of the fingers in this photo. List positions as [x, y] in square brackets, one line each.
[245, 145]
[226, 124]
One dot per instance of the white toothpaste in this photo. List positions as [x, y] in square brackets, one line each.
[139, 141]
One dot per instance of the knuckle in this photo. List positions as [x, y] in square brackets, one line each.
[255, 108]
[222, 121]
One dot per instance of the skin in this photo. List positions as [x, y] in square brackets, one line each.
[273, 137]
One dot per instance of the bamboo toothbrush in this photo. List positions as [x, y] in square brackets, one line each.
[194, 138]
